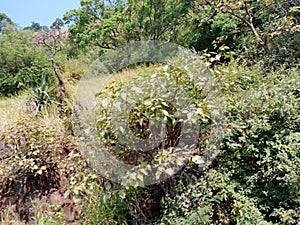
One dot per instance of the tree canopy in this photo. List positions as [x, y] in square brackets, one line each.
[5, 23]
[251, 28]
[109, 26]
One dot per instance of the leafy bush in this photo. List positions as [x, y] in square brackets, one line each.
[171, 95]
[256, 175]
[21, 64]
[141, 102]
[211, 200]
[261, 149]
[29, 162]
[35, 158]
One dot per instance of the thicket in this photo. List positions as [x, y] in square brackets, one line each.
[256, 175]
[265, 31]
[22, 64]
[253, 180]
[254, 81]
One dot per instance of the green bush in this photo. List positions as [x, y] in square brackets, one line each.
[212, 200]
[255, 179]
[21, 63]
[141, 102]
[169, 94]
[261, 149]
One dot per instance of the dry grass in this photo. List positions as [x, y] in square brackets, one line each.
[15, 108]
[129, 73]
[9, 217]
[12, 109]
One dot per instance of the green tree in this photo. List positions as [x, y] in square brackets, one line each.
[34, 26]
[5, 22]
[207, 27]
[84, 21]
[107, 26]
[21, 64]
[267, 30]
[57, 24]
[156, 19]
[246, 12]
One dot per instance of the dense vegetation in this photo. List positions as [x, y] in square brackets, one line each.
[235, 81]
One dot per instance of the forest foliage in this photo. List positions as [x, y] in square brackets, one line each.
[250, 50]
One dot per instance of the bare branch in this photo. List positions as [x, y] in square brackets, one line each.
[53, 40]
[250, 24]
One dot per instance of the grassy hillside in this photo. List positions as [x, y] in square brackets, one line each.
[253, 180]
[110, 122]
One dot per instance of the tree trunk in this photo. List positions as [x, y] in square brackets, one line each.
[61, 83]
[262, 43]
[250, 24]
[62, 89]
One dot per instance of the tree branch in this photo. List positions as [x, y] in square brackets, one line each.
[250, 25]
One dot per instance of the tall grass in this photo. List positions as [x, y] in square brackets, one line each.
[12, 109]
[15, 108]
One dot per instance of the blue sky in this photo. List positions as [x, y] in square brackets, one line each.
[23, 12]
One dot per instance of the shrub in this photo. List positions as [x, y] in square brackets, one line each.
[168, 96]
[21, 64]
[261, 149]
[211, 200]
[256, 175]
[29, 161]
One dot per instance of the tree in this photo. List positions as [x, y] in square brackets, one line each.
[34, 26]
[110, 25]
[21, 65]
[156, 19]
[5, 22]
[247, 12]
[264, 19]
[208, 29]
[263, 30]
[83, 22]
[54, 41]
[57, 24]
